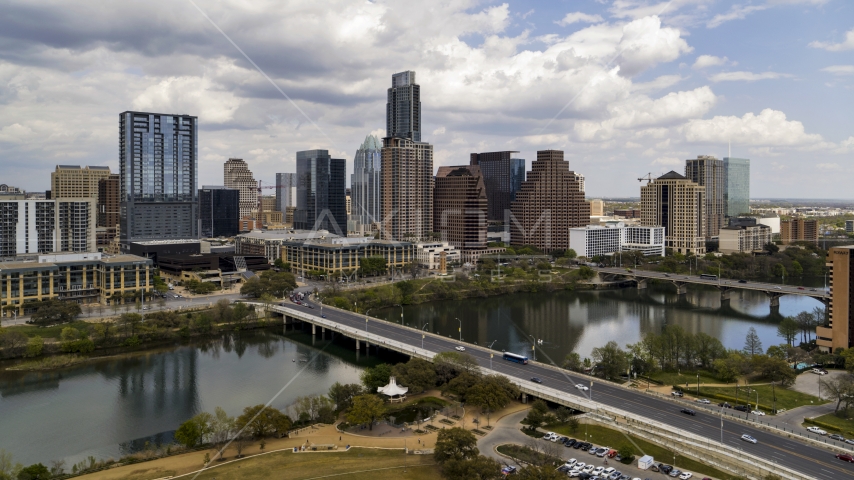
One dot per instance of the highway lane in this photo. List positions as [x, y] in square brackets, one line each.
[798, 456]
[723, 282]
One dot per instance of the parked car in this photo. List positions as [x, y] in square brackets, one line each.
[552, 436]
[675, 472]
[725, 405]
[580, 466]
[677, 393]
[845, 457]
[571, 462]
[816, 431]
[598, 470]
[819, 371]
[603, 451]
[508, 470]
[685, 475]
[665, 469]
[612, 453]
[570, 442]
[688, 411]
[748, 438]
[836, 436]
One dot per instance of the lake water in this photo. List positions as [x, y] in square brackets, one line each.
[111, 406]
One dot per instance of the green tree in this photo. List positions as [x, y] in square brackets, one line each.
[36, 471]
[455, 444]
[586, 273]
[130, 322]
[461, 384]
[537, 416]
[797, 269]
[731, 367]
[8, 469]
[52, 312]
[342, 394]
[780, 270]
[450, 364]
[477, 468]
[774, 368]
[417, 374]
[261, 422]
[752, 344]
[35, 346]
[492, 393]
[626, 451]
[572, 362]
[788, 329]
[282, 265]
[195, 431]
[611, 359]
[366, 409]
[372, 266]
[563, 414]
[375, 377]
[570, 254]
[278, 284]
[771, 248]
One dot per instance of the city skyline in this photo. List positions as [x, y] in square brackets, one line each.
[644, 88]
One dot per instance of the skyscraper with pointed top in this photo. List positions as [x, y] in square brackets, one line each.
[365, 182]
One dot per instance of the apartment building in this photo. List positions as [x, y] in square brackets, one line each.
[840, 332]
[798, 230]
[236, 174]
[406, 189]
[677, 204]
[429, 254]
[46, 226]
[744, 235]
[74, 181]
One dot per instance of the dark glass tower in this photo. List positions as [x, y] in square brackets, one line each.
[737, 190]
[158, 163]
[321, 192]
[219, 211]
[365, 182]
[403, 110]
[503, 176]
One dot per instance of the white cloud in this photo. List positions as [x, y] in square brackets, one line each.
[769, 128]
[575, 17]
[736, 12]
[847, 44]
[829, 167]
[746, 76]
[839, 69]
[668, 161]
[704, 61]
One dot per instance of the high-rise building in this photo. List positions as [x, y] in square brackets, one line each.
[403, 110]
[707, 171]
[799, 230]
[503, 176]
[47, 226]
[737, 186]
[321, 188]
[840, 333]
[549, 203]
[677, 204]
[159, 159]
[286, 191]
[365, 182]
[236, 174]
[406, 189]
[219, 211]
[109, 201]
[580, 179]
[74, 181]
[460, 207]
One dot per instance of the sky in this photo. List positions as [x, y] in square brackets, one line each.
[624, 87]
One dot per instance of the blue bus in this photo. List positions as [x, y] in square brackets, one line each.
[515, 358]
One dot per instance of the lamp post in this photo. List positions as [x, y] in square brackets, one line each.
[460, 329]
[698, 384]
[366, 318]
[422, 334]
[490, 361]
[401, 312]
[722, 425]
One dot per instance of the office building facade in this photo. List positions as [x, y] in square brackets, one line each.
[403, 109]
[286, 191]
[321, 203]
[677, 204]
[597, 208]
[614, 237]
[109, 201]
[460, 207]
[339, 257]
[737, 186]
[74, 181]
[503, 176]
[47, 226]
[159, 176]
[406, 189]
[840, 332]
[849, 226]
[708, 172]
[365, 182]
[799, 230]
[548, 204]
[219, 211]
[744, 237]
[236, 174]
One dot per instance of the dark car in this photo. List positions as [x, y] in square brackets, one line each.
[742, 281]
[845, 458]
[741, 408]
[585, 446]
[578, 445]
[665, 469]
[725, 405]
[508, 470]
[536, 380]
[688, 411]
[570, 442]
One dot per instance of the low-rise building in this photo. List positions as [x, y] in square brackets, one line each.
[429, 254]
[744, 235]
[612, 237]
[269, 242]
[849, 226]
[799, 230]
[340, 256]
[77, 277]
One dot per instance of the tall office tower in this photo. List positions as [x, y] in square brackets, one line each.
[549, 203]
[707, 171]
[109, 201]
[677, 204]
[219, 211]
[365, 182]
[159, 162]
[236, 174]
[320, 192]
[798, 230]
[503, 176]
[286, 191]
[737, 186]
[47, 226]
[403, 110]
[840, 332]
[460, 206]
[74, 181]
[406, 189]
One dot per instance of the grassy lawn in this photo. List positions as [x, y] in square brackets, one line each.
[526, 454]
[787, 399]
[602, 436]
[674, 378]
[358, 464]
[46, 332]
[845, 425]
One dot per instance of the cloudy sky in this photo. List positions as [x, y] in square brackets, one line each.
[625, 87]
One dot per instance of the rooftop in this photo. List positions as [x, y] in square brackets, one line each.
[671, 175]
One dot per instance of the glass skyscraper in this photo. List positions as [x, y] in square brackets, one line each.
[503, 176]
[737, 190]
[321, 192]
[158, 162]
[219, 211]
[365, 182]
[403, 110]
[286, 191]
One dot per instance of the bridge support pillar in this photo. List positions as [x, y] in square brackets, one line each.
[775, 301]
[725, 294]
[313, 329]
[641, 284]
[358, 346]
[323, 333]
[524, 397]
[681, 288]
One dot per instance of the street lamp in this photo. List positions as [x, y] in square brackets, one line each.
[461, 328]
[422, 335]
[698, 384]
[401, 312]
[490, 360]
[366, 318]
[722, 425]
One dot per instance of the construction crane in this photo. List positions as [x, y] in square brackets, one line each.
[648, 178]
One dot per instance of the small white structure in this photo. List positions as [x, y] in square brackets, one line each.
[393, 391]
[645, 462]
[429, 254]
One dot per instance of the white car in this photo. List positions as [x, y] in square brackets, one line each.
[598, 470]
[608, 471]
[816, 430]
[571, 462]
[461, 348]
[581, 387]
[759, 413]
[748, 438]
[574, 474]
[552, 436]
[588, 469]
[703, 401]
[580, 466]
[686, 476]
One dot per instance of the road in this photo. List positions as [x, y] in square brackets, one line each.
[748, 285]
[808, 459]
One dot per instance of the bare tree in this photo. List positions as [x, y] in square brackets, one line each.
[841, 390]
[240, 443]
